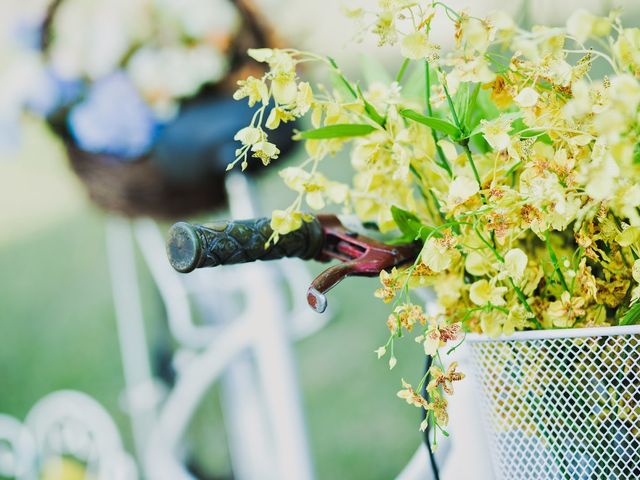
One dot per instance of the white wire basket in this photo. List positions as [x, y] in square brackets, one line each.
[562, 404]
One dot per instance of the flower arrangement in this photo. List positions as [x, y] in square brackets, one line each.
[113, 73]
[509, 158]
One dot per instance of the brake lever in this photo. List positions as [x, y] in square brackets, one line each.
[359, 256]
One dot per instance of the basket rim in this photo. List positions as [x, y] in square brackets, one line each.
[551, 334]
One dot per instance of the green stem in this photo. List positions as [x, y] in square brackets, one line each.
[447, 9]
[422, 381]
[438, 206]
[403, 69]
[427, 93]
[486, 242]
[342, 77]
[512, 170]
[521, 296]
[443, 217]
[556, 265]
[524, 301]
[421, 181]
[464, 143]
[456, 120]
[465, 146]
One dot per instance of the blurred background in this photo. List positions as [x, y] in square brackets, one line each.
[137, 123]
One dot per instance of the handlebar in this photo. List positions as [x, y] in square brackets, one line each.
[240, 241]
[324, 238]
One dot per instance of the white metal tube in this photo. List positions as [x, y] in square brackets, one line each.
[278, 376]
[130, 327]
[272, 349]
[161, 457]
[250, 441]
[250, 448]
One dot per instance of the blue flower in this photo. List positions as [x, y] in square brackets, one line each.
[113, 119]
[49, 92]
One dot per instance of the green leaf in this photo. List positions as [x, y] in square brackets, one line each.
[410, 225]
[544, 138]
[632, 317]
[461, 101]
[518, 125]
[484, 106]
[414, 84]
[371, 110]
[403, 240]
[432, 122]
[406, 221]
[471, 118]
[338, 131]
[636, 154]
[480, 143]
[519, 128]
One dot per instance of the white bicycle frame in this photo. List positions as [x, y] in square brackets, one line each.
[249, 352]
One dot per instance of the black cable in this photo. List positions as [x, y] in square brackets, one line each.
[427, 431]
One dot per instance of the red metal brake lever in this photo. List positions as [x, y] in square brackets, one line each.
[360, 256]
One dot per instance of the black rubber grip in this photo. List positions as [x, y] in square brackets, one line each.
[241, 241]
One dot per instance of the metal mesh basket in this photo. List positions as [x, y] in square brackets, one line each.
[562, 404]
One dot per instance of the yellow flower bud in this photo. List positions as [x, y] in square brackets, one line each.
[284, 90]
[260, 54]
[477, 264]
[416, 46]
[635, 271]
[253, 88]
[482, 292]
[515, 262]
[249, 135]
[527, 97]
[276, 116]
[461, 189]
[580, 25]
[496, 132]
[283, 222]
[265, 151]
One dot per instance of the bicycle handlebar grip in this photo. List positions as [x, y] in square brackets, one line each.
[241, 241]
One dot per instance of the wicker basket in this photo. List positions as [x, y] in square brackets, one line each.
[562, 404]
[141, 186]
